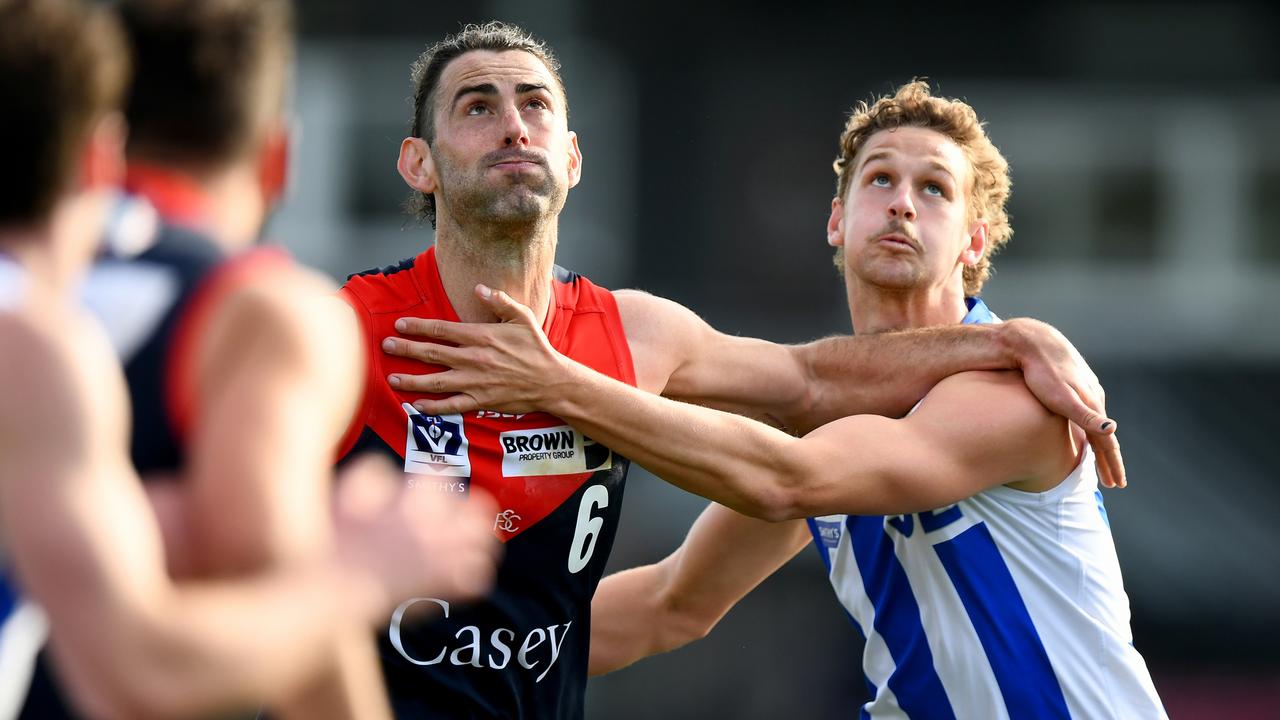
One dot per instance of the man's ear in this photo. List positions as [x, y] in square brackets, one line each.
[575, 160]
[273, 163]
[835, 224]
[977, 247]
[416, 165]
[102, 164]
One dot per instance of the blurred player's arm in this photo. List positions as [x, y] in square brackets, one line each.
[262, 451]
[261, 443]
[656, 608]
[86, 548]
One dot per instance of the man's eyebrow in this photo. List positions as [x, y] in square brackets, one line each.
[884, 155]
[482, 88]
[523, 88]
[942, 168]
[875, 155]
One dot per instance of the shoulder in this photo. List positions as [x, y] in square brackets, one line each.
[52, 363]
[294, 310]
[389, 288]
[991, 413]
[649, 317]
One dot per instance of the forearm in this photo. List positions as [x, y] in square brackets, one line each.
[737, 462]
[227, 646]
[628, 621]
[886, 374]
[662, 607]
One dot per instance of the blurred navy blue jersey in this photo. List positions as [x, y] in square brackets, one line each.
[523, 651]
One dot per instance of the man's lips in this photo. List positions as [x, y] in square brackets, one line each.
[898, 240]
[517, 165]
[516, 161]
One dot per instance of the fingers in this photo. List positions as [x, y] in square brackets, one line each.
[476, 573]
[503, 306]
[365, 487]
[428, 352]
[446, 381]
[454, 404]
[1106, 449]
[454, 332]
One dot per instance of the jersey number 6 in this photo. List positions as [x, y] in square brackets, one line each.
[584, 535]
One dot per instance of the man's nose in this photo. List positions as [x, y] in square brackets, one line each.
[901, 206]
[515, 132]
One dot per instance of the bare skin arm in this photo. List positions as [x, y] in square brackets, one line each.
[261, 443]
[264, 446]
[656, 608]
[87, 548]
[677, 354]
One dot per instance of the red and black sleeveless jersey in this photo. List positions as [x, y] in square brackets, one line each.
[522, 652]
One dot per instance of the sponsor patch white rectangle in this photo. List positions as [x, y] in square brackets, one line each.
[559, 450]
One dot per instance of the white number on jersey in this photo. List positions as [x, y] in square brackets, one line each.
[584, 536]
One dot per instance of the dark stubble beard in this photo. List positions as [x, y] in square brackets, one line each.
[508, 204]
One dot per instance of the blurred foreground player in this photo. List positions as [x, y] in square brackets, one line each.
[79, 537]
[967, 540]
[491, 160]
[208, 325]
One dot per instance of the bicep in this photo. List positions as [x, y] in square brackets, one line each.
[677, 354]
[972, 432]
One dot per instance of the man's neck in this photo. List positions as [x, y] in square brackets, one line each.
[877, 310]
[517, 261]
[56, 252]
[47, 263]
[226, 203]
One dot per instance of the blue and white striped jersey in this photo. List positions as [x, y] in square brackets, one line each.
[1007, 604]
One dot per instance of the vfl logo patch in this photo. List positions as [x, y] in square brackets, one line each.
[551, 451]
[435, 444]
[830, 528]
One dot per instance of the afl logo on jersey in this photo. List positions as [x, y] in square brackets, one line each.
[435, 444]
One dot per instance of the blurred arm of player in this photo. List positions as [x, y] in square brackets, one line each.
[263, 449]
[86, 546]
[511, 365]
[656, 608]
[261, 455]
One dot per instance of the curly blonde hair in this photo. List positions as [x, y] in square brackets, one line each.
[913, 106]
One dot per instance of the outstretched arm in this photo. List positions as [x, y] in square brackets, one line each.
[798, 387]
[974, 430]
[656, 608]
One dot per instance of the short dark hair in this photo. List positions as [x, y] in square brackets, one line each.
[211, 77]
[62, 68]
[495, 36]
